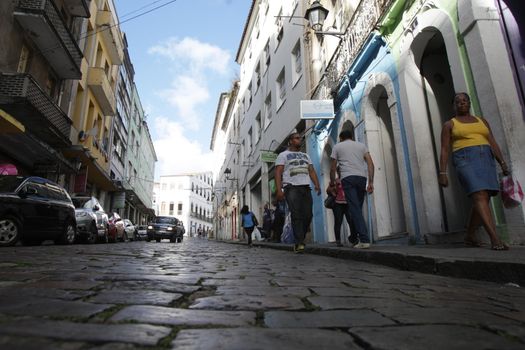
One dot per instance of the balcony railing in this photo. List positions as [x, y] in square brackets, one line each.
[77, 8]
[21, 97]
[99, 84]
[110, 35]
[363, 23]
[41, 20]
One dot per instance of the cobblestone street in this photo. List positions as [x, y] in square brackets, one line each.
[208, 295]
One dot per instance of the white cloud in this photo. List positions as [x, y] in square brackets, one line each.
[176, 153]
[200, 56]
[186, 95]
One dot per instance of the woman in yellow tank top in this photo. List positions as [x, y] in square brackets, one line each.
[473, 149]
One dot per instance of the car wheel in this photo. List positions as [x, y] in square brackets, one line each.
[179, 240]
[173, 239]
[147, 239]
[68, 234]
[92, 234]
[10, 231]
[158, 240]
[125, 237]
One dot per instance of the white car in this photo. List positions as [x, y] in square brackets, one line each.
[142, 232]
[131, 230]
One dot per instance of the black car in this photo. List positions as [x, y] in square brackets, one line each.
[165, 227]
[34, 209]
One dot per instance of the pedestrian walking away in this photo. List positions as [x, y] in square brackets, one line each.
[248, 223]
[268, 216]
[355, 163]
[473, 152]
[293, 173]
[340, 210]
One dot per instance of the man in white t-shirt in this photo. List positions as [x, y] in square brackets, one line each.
[293, 172]
[355, 163]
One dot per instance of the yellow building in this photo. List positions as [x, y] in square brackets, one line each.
[94, 104]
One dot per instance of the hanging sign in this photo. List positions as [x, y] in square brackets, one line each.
[317, 109]
[268, 156]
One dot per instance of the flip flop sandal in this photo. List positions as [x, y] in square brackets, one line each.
[500, 246]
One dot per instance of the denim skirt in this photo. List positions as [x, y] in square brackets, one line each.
[476, 169]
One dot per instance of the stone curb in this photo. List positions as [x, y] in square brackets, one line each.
[493, 271]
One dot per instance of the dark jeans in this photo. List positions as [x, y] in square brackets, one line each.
[249, 231]
[340, 211]
[299, 200]
[355, 190]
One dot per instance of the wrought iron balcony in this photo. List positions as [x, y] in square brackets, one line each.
[41, 19]
[77, 8]
[21, 97]
[101, 88]
[110, 35]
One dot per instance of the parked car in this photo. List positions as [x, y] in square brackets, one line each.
[92, 220]
[116, 228]
[131, 230]
[34, 209]
[165, 227]
[142, 232]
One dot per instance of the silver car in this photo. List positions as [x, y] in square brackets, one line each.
[92, 220]
[131, 230]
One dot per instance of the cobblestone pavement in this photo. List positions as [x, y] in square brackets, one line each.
[210, 295]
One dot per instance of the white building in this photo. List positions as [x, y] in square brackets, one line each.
[263, 106]
[188, 197]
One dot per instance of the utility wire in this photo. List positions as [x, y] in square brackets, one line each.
[87, 35]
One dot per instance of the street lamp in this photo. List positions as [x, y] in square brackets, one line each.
[316, 16]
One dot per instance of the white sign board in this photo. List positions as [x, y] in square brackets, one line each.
[317, 109]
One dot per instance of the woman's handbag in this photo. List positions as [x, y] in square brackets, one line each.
[511, 192]
[329, 202]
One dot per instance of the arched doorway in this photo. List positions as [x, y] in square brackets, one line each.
[431, 58]
[388, 199]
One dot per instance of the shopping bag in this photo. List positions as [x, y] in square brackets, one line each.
[257, 234]
[287, 236]
[511, 192]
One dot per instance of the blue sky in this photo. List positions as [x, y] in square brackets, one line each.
[184, 57]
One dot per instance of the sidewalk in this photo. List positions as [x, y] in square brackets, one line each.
[453, 260]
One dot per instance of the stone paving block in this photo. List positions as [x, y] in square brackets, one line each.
[184, 317]
[298, 292]
[164, 286]
[355, 292]
[433, 337]
[257, 339]
[310, 282]
[69, 285]
[136, 277]
[441, 315]
[136, 334]
[325, 319]
[32, 343]
[251, 282]
[330, 303]
[140, 297]
[50, 307]
[20, 292]
[247, 302]
[516, 331]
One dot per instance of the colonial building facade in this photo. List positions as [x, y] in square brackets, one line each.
[59, 69]
[391, 69]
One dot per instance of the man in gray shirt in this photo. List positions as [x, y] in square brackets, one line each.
[354, 163]
[293, 173]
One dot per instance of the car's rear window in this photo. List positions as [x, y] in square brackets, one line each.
[165, 220]
[10, 183]
[81, 202]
